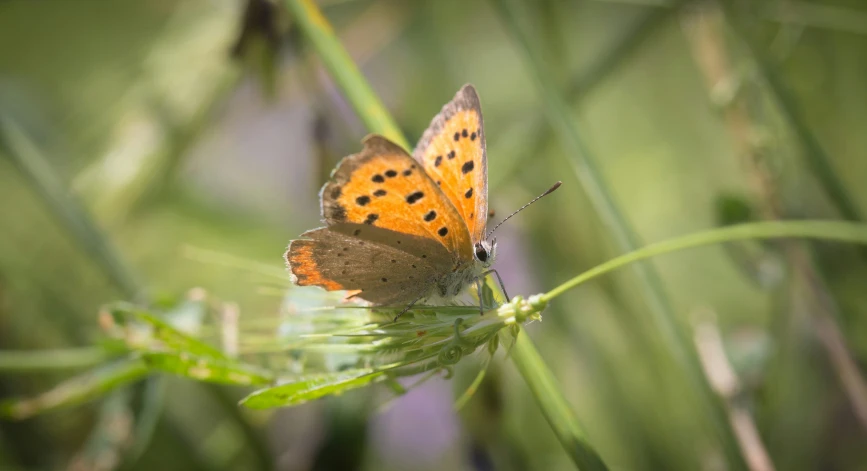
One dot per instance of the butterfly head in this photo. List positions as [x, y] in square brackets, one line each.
[485, 251]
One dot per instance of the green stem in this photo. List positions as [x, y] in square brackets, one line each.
[33, 165]
[817, 159]
[650, 285]
[42, 361]
[376, 118]
[554, 406]
[528, 135]
[828, 230]
[343, 70]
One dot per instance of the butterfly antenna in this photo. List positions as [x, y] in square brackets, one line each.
[546, 193]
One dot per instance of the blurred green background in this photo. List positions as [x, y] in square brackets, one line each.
[132, 131]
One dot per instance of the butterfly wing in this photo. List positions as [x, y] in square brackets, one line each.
[391, 232]
[360, 257]
[382, 186]
[452, 151]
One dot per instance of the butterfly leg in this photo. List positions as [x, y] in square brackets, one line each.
[502, 285]
[407, 308]
[478, 281]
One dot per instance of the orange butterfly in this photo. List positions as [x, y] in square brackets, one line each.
[404, 228]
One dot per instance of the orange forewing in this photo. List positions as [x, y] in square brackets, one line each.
[452, 152]
[383, 186]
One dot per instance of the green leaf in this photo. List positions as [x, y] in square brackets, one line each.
[556, 409]
[312, 388]
[207, 369]
[76, 390]
[173, 338]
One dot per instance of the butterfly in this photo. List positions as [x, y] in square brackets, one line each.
[400, 228]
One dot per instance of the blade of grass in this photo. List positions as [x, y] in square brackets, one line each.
[531, 133]
[16, 144]
[374, 115]
[343, 70]
[676, 338]
[555, 408]
[838, 231]
[816, 158]
[77, 390]
[33, 165]
[42, 361]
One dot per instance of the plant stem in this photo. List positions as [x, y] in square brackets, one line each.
[839, 231]
[33, 165]
[41, 361]
[554, 406]
[527, 135]
[24, 153]
[371, 111]
[676, 339]
[741, 121]
[343, 70]
[816, 157]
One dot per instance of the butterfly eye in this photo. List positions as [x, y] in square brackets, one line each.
[481, 253]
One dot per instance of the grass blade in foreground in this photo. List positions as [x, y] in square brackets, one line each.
[41, 361]
[651, 288]
[343, 70]
[36, 169]
[316, 28]
[555, 408]
[77, 390]
[837, 231]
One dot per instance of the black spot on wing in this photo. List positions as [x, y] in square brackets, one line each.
[337, 212]
[380, 192]
[378, 178]
[390, 173]
[362, 200]
[438, 161]
[469, 193]
[430, 216]
[371, 218]
[442, 232]
[467, 167]
[413, 197]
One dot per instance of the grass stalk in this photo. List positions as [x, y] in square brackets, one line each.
[42, 361]
[837, 231]
[554, 406]
[532, 130]
[24, 153]
[377, 119]
[37, 170]
[675, 337]
[343, 70]
[813, 152]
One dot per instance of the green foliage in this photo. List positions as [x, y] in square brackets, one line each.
[302, 390]
[206, 369]
[77, 390]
